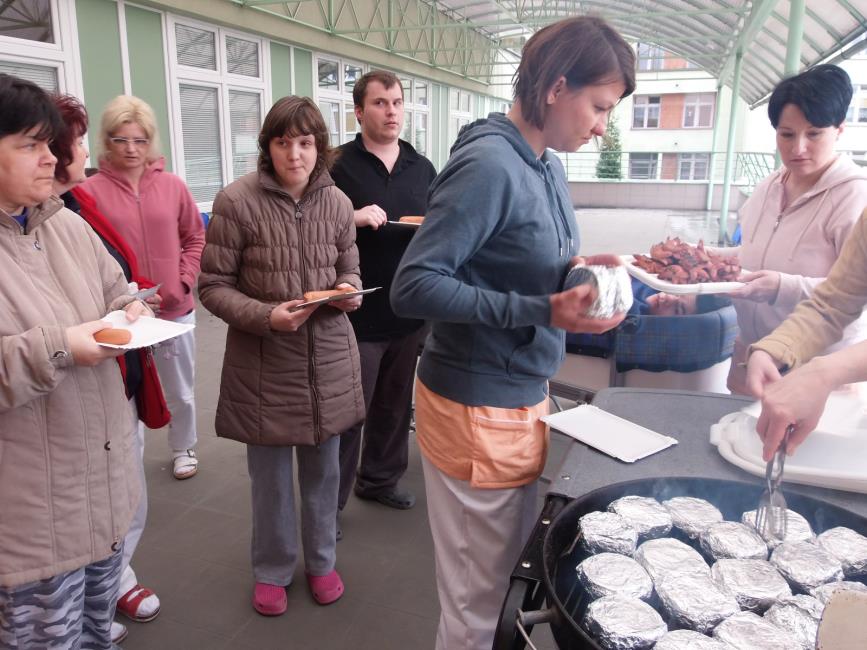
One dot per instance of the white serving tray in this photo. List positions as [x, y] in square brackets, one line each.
[608, 433]
[833, 456]
[653, 281]
[146, 331]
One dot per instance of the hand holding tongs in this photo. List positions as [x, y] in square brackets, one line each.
[772, 513]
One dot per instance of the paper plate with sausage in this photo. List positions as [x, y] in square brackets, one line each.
[676, 267]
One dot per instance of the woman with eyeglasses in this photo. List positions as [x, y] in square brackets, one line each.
[153, 210]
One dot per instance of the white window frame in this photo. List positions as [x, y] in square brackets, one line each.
[859, 96]
[221, 79]
[652, 59]
[691, 159]
[63, 54]
[343, 95]
[642, 103]
[654, 165]
[458, 118]
[698, 101]
[412, 109]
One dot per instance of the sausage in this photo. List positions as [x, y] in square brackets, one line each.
[310, 296]
[417, 220]
[113, 335]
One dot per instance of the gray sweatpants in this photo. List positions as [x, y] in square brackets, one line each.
[275, 526]
[69, 611]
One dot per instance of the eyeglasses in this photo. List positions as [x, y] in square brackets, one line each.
[139, 142]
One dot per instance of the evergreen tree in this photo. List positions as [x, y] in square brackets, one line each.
[608, 166]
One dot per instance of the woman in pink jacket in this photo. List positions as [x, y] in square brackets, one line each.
[796, 221]
[153, 210]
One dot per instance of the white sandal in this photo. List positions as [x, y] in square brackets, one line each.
[184, 464]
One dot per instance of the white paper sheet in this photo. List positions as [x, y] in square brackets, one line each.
[145, 331]
[608, 433]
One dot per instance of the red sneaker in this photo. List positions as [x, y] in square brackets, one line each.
[131, 604]
[325, 589]
[269, 600]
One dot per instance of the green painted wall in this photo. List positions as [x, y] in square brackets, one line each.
[99, 44]
[303, 72]
[281, 71]
[147, 68]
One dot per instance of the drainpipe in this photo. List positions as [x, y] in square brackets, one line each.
[712, 162]
[730, 145]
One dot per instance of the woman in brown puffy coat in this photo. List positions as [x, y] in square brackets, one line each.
[290, 376]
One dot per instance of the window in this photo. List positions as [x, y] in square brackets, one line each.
[650, 57]
[416, 113]
[642, 165]
[219, 93]
[645, 112]
[460, 111]
[698, 111]
[37, 42]
[693, 166]
[857, 113]
[334, 97]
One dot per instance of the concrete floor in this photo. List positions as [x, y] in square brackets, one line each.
[195, 549]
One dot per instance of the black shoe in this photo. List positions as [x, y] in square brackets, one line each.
[392, 498]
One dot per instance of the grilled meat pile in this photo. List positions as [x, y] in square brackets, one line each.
[677, 262]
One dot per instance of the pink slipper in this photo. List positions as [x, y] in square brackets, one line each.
[325, 589]
[269, 600]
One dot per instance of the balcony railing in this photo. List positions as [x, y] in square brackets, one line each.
[675, 167]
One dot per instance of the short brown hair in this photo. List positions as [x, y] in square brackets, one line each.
[386, 78]
[293, 116]
[585, 50]
[75, 126]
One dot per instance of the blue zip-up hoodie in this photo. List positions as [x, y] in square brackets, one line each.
[496, 242]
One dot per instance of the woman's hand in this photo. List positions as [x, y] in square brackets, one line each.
[135, 309]
[569, 312]
[283, 320]
[84, 348]
[154, 303]
[761, 286]
[350, 304]
[797, 399]
[761, 371]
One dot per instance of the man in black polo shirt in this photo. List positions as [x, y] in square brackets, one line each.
[386, 179]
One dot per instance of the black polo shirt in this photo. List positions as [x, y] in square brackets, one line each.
[403, 192]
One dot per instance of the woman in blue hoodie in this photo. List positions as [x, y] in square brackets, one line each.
[487, 269]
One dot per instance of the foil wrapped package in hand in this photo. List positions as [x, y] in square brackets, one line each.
[659, 557]
[748, 631]
[824, 593]
[731, 540]
[688, 640]
[612, 574]
[694, 601]
[620, 623]
[755, 584]
[806, 565]
[847, 546]
[691, 515]
[645, 514]
[607, 531]
[799, 616]
[612, 283]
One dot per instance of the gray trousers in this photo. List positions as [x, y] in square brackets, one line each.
[387, 372]
[275, 526]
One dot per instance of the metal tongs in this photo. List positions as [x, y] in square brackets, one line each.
[772, 514]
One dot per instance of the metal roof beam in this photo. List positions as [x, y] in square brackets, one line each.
[752, 26]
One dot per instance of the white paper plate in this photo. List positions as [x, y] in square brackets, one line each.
[829, 457]
[146, 331]
[608, 433]
[405, 224]
[653, 281]
[339, 296]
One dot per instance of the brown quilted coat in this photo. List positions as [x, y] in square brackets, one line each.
[262, 249]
